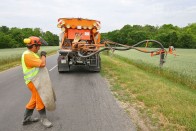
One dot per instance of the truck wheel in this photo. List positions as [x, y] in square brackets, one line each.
[65, 69]
[96, 68]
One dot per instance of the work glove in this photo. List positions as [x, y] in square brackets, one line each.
[43, 53]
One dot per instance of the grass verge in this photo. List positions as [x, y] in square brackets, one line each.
[162, 104]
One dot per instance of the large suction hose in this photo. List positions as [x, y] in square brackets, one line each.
[110, 45]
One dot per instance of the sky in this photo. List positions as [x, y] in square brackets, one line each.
[113, 14]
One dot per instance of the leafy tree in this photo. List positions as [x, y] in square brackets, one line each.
[2, 40]
[168, 28]
[151, 31]
[17, 35]
[37, 32]
[4, 29]
[13, 37]
[50, 38]
[6, 41]
[27, 32]
[167, 34]
[191, 30]
[186, 41]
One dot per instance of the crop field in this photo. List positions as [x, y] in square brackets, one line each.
[11, 57]
[183, 64]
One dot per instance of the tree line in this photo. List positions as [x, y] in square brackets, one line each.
[13, 37]
[167, 34]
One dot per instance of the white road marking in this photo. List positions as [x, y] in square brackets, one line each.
[53, 68]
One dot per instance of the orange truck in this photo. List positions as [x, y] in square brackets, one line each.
[79, 43]
[79, 37]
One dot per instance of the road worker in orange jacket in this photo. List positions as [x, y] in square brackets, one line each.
[31, 63]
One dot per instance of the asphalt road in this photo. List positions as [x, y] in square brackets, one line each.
[84, 102]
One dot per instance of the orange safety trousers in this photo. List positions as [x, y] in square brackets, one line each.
[35, 100]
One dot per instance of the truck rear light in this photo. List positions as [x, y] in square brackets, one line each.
[79, 27]
[68, 26]
[63, 29]
[90, 27]
[60, 23]
[84, 27]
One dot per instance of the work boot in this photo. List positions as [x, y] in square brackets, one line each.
[27, 117]
[46, 122]
[44, 119]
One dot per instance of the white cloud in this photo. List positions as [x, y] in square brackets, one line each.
[113, 14]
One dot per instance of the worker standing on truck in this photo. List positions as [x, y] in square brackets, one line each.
[31, 64]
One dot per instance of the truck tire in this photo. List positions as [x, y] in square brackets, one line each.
[96, 68]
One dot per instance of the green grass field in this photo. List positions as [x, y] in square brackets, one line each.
[184, 62]
[11, 57]
[181, 68]
[162, 103]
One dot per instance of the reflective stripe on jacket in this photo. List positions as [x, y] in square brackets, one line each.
[29, 73]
